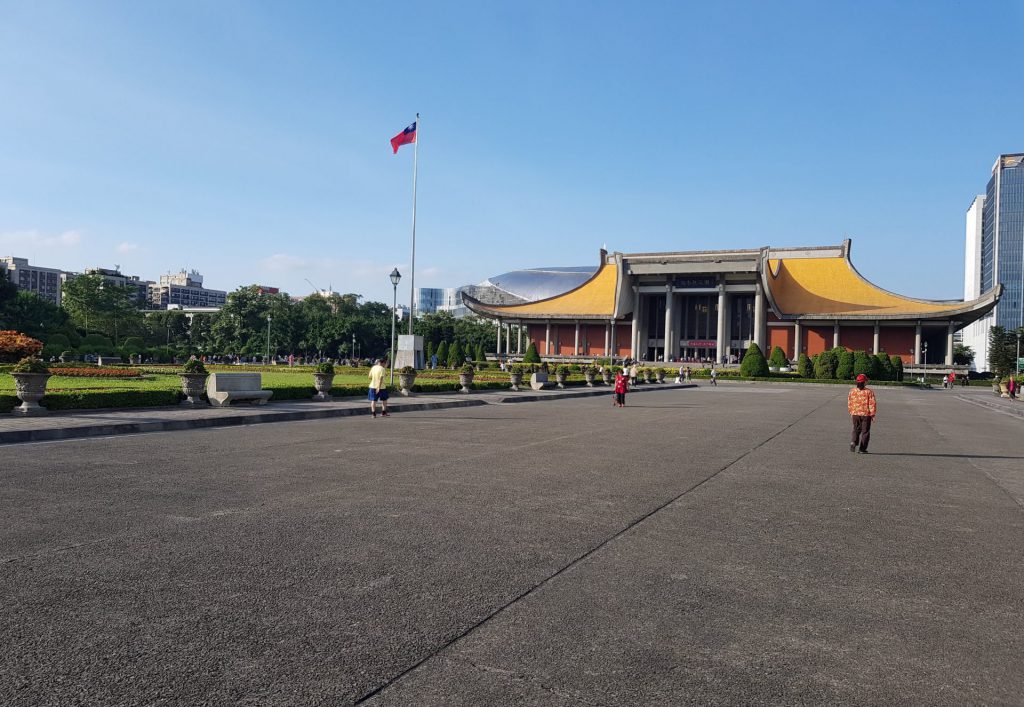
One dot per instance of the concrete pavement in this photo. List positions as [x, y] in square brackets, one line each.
[705, 545]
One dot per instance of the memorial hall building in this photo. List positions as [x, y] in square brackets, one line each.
[710, 305]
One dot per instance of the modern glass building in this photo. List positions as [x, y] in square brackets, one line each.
[995, 252]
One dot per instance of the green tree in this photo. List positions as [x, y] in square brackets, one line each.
[778, 358]
[844, 370]
[429, 351]
[963, 355]
[804, 366]
[531, 355]
[455, 355]
[478, 353]
[753, 364]
[99, 306]
[442, 354]
[1002, 351]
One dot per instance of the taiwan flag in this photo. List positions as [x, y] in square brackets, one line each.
[406, 137]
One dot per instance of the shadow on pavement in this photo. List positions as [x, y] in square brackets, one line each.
[956, 456]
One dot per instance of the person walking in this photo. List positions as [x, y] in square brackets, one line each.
[714, 375]
[621, 388]
[1012, 387]
[862, 407]
[632, 373]
[378, 389]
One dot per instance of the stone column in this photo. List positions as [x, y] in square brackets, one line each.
[720, 348]
[835, 335]
[499, 338]
[877, 336]
[917, 343]
[797, 341]
[519, 338]
[547, 339]
[949, 344]
[634, 346]
[607, 335]
[613, 327]
[576, 341]
[759, 317]
[668, 321]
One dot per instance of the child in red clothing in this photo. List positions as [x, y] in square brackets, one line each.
[621, 388]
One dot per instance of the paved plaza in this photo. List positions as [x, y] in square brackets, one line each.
[702, 545]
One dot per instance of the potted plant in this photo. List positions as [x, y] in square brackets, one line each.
[30, 377]
[193, 382]
[515, 375]
[659, 374]
[606, 375]
[589, 373]
[561, 373]
[646, 372]
[406, 379]
[323, 379]
[466, 377]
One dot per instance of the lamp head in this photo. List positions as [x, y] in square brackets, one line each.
[395, 277]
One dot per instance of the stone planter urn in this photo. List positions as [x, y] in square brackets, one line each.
[660, 375]
[647, 375]
[30, 388]
[465, 380]
[516, 380]
[323, 382]
[606, 376]
[560, 379]
[1004, 389]
[589, 376]
[192, 386]
[406, 382]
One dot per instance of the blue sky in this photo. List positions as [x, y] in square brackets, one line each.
[249, 140]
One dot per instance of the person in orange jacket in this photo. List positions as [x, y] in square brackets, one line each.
[861, 404]
[621, 388]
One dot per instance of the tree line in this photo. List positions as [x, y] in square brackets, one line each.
[98, 317]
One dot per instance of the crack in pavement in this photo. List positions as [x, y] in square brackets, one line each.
[586, 555]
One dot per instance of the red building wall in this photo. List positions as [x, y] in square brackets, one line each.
[622, 343]
[780, 336]
[857, 338]
[817, 339]
[897, 341]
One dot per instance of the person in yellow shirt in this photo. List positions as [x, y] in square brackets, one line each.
[861, 404]
[378, 389]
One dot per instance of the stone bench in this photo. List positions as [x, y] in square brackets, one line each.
[223, 388]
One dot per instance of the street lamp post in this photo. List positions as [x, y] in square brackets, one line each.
[395, 277]
[267, 360]
[1018, 353]
[924, 362]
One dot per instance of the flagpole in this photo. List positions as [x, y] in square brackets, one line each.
[412, 275]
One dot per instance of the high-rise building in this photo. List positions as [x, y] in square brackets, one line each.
[138, 287]
[45, 282]
[184, 289]
[995, 252]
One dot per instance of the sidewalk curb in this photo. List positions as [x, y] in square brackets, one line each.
[270, 415]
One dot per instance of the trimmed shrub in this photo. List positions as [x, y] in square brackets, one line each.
[884, 366]
[864, 364]
[844, 371]
[897, 367]
[58, 340]
[778, 358]
[753, 363]
[442, 354]
[96, 344]
[531, 355]
[455, 355]
[478, 353]
[326, 368]
[804, 367]
[133, 345]
[429, 353]
[826, 365]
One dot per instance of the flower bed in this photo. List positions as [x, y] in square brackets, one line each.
[78, 372]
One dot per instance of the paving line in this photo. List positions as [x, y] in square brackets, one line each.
[589, 553]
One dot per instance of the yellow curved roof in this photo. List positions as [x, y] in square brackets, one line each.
[832, 286]
[594, 298]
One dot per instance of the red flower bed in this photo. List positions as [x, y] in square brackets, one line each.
[95, 372]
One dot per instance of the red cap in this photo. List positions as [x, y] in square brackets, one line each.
[862, 378]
